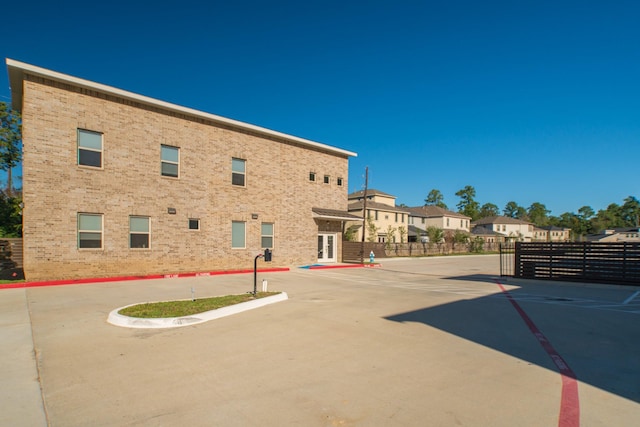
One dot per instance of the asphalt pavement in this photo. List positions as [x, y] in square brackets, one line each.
[416, 342]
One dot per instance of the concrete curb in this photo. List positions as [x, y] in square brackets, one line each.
[175, 322]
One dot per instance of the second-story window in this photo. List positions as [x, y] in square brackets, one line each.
[89, 148]
[170, 161]
[238, 172]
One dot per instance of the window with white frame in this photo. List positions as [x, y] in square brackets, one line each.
[238, 234]
[266, 235]
[312, 176]
[327, 179]
[194, 224]
[339, 181]
[238, 172]
[139, 232]
[90, 231]
[170, 161]
[89, 148]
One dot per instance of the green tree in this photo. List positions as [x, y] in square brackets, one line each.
[10, 215]
[372, 230]
[468, 205]
[435, 234]
[435, 198]
[630, 212]
[390, 234]
[538, 214]
[611, 217]
[10, 142]
[350, 233]
[402, 231]
[487, 210]
[513, 210]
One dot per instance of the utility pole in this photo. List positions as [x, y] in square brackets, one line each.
[364, 213]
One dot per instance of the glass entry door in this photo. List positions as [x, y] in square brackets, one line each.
[326, 248]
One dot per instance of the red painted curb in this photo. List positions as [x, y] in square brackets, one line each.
[129, 278]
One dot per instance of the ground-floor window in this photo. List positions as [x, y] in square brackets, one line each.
[90, 231]
[238, 234]
[266, 235]
[139, 232]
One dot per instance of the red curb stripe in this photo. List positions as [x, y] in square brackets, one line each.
[569, 401]
[129, 278]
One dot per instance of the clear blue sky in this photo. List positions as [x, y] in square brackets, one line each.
[527, 101]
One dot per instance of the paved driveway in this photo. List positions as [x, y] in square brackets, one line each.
[418, 342]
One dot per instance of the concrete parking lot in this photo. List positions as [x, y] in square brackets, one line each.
[417, 342]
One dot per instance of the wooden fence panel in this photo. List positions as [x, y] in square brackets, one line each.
[579, 261]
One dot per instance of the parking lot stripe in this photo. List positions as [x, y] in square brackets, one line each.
[628, 300]
[569, 401]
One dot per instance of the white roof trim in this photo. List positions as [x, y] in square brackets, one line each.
[17, 70]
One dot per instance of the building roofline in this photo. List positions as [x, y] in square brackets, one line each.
[17, 71]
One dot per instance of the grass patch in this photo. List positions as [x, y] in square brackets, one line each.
[4, 282]
[188, 307]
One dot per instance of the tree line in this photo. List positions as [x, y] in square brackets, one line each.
[584, 221]
[10, 157]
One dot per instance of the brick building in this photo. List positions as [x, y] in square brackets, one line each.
[119, 184]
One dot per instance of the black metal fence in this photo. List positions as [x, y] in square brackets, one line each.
[507, 258]
[593, 262]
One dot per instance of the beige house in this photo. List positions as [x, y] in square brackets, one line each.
[513, 229]
[119, 184]
[551, 233]
[391, 222]
[422, 217]
[626, 234]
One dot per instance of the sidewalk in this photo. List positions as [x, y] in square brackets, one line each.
[20, 392]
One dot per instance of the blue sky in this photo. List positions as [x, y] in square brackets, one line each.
[526, 101]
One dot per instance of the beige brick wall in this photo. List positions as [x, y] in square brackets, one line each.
[56, 189]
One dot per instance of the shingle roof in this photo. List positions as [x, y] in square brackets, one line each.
[500, 220]
[376, 205]
[432, 211]
[484, 231]
[370, 192]
[334, 214]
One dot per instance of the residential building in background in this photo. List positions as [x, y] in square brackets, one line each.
[382, 213]
[624, 234]
[513, 229]
[422, 217]
[120, 184]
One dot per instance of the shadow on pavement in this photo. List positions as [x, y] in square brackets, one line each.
[600, 346]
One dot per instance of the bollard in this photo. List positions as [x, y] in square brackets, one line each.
[264, 285]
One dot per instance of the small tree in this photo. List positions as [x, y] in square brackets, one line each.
[350, 233]
[372, 230]
[390, 236]
[477, 245]
[435, 234]
[402, 230]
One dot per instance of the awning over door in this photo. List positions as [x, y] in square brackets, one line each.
[334, 215]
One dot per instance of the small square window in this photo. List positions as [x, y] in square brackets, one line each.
[327, 179]
[194, 224]
[89, 148]
[238, 172]
[339, 182]
[139, 232]
[170, 161]
[312, 176]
